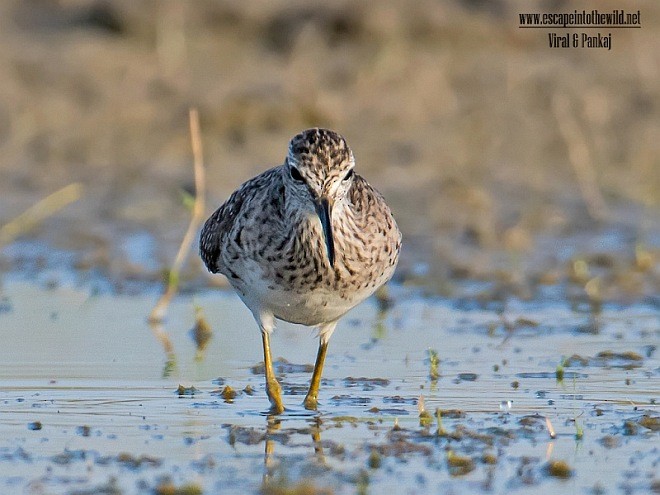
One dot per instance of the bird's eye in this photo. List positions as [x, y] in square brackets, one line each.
[295, 174]
[349, 174]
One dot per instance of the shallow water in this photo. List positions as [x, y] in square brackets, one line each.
[89, 402]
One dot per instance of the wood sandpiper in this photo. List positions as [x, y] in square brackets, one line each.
[303, 242]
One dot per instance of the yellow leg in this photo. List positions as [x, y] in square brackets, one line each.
[311, 400]
[273, 389]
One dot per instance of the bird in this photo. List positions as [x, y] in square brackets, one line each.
[303, 242]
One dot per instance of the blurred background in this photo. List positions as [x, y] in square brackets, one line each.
[510, 166]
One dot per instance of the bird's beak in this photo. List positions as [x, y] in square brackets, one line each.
[324, 211]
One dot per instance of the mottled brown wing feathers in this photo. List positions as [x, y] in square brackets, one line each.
[220, 224]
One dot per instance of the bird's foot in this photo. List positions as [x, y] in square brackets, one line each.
[311, 402]
[274, 392]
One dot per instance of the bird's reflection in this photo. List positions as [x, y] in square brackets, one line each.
[273, 425]
[274, 431]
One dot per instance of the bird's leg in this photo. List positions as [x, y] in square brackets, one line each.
[325, 331]
[311, 400]
[273, 389]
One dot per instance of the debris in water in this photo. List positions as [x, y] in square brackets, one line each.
[559, 469]
[559, 372]
[425, 417]
[185, 391]
[551, 429]
[458, 464]
[375, 460]
[84, 430]
[650, 422]
[228, 394]
[133, 462]
[169, 488]
[441, 429]
[434, 364]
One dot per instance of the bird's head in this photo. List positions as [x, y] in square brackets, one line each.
[319, 173]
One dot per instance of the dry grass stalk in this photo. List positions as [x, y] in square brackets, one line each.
[158, 312]
[580, 157]
[551, 429]
[38, 212]
[164, 339]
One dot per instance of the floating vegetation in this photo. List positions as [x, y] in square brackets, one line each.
[623, 356]
[641, 424]
[228, 394]
[559, 371]
[187, 391]
[649, 422]
[83, 431]
[169, 488]
[400, 447]
[375, 460]
[441, 429]
[425, 417]
[35, 425]
[535, 421]
[610, 441]
[559, 469]
[137, 462]
[459, 465]
[340, 420]
[282, 486]
[609, 359]
[68, 456]
[630, 428]
[434, 364]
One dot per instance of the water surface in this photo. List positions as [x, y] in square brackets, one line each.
[89, 402]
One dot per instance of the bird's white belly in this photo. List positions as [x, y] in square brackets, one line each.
[311, 307]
